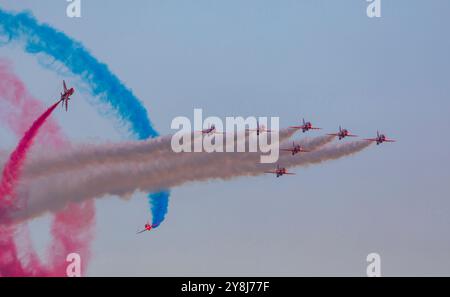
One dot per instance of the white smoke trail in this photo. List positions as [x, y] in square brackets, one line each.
[51, 193]
[81, 156]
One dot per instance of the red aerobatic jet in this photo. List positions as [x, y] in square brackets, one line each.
[343, 133]
[380, 139]
[259, 129]
[65, 97]
[210, 130]
[280, 171]
[296, 148]
[147, 227]
[305, 127]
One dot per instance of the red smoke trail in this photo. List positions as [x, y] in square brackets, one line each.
[72, 229]
[10, 264]
[10, 177]
[11, 171]
[20, 109]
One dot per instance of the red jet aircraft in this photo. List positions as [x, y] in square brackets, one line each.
[147, 227]
[210, 130]
[280, 171]
[305, 127]
[65, 97]
[296, 148]
[259, 129]
[343, 133]
[380, 138]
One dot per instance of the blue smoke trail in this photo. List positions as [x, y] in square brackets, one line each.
[159, 205]
[43, 39]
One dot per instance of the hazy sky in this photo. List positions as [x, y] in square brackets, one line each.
[322, 60]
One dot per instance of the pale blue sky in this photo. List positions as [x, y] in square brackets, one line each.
[323, 60]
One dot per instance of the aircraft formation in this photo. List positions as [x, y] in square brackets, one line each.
[296, 148]
[341, 134]
[278, 171]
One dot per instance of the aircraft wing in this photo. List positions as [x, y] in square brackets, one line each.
[333, 134]
[296, 127]
[390, 140]
[314, 128]
[289, 173]
[64, 85]
[351, 135]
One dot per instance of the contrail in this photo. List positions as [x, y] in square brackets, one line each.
[53, 192]
[37, 39]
